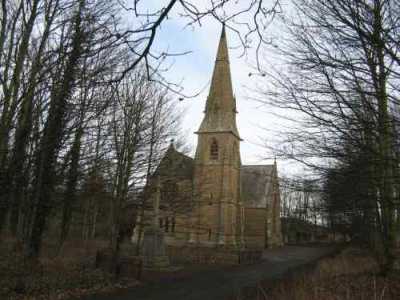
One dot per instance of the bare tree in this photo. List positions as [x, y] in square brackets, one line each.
[65, 73]
[343, 64]
[247, 20]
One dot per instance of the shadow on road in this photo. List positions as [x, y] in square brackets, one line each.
[217, 282]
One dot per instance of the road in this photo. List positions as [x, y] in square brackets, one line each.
[216, 282]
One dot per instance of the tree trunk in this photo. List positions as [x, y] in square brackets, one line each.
[70, 193]
[94, 225]
[384, 142]
[50, 142]
[17, 178]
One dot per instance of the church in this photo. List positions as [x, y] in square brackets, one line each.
[212, 200]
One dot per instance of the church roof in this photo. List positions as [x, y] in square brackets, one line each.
[175, 165]
[256, 185]
[220, 112]
[256, 180]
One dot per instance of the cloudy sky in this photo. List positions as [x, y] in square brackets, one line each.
[256, 123]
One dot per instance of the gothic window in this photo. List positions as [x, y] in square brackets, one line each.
[166, 224]
[210, 200]
[214, 149]
[173, 225]
[161, 223]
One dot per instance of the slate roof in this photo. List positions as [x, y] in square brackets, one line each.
[175, 165]
[256, 185]
[256, 180]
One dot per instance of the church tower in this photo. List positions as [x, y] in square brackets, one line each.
[217, 161]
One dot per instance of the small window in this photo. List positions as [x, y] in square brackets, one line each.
[173, 224]
[161, 223]
[214, 150]
[166, 224]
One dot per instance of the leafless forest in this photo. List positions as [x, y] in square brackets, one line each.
[86, 114]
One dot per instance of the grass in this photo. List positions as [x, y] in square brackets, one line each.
[353, 274]
[71, 273]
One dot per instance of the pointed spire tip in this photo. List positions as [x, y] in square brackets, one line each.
[223, 30]
[222, 52]
[171, 145]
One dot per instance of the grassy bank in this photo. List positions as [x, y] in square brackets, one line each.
[353, 274]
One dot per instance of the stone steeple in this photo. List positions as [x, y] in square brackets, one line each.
[217, 162]
[220, 112]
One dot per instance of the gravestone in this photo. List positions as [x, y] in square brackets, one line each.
[154, 254]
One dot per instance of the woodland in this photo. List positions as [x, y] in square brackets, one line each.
[86, 113]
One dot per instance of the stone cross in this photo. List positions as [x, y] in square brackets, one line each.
[154, 253]
[156, 204]
[136, 231]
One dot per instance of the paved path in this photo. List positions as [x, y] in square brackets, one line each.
[219, 282]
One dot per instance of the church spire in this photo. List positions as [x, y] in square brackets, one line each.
[220, 112]
[222, 54]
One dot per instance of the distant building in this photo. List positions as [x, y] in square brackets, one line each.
[214, 200]
[297, 231]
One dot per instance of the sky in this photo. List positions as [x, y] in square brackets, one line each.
[256, 123]
[194, 71]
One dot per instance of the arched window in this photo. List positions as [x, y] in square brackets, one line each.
[214, 149]
[173, 225]
[166, 224]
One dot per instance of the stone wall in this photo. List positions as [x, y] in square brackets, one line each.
[216, 191]
[204, 255]
[255, 227]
